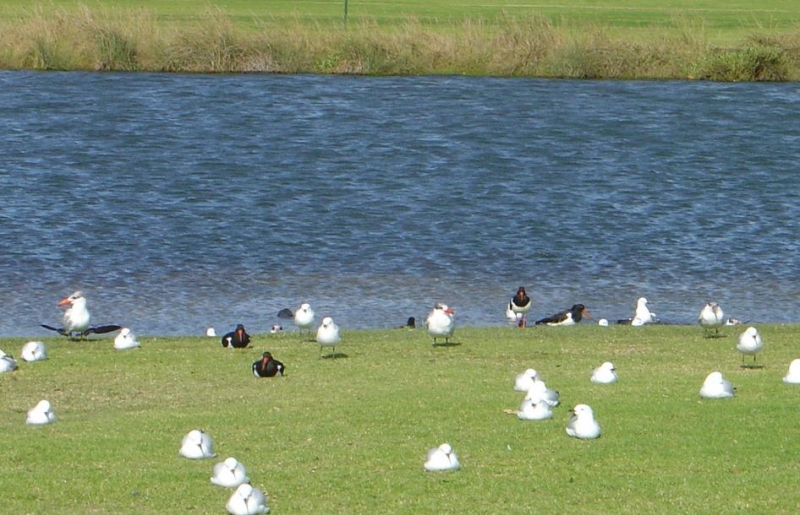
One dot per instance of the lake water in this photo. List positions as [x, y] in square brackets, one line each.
[181, 201]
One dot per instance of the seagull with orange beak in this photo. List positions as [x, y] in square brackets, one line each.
[77, 318]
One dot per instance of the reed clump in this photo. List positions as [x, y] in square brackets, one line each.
[81, 38]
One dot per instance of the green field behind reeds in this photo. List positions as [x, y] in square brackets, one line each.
[714, 39]
[725, 18]
[349, 435]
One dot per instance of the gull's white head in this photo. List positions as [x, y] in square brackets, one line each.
[43, 406]
[583, 410]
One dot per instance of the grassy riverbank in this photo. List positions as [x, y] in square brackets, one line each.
[348, 435]
[727, 40]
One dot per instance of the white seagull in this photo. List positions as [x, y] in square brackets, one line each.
[530, 410]
[211, 332]
[793, 375]
[41, 414]
[539, 392]
[247, 500]
[328, 335]
[126, 340]
[441, 322]
[77, 318]
[33, 351]
[643, 315]
[711, 317]
[605, 374]
[304, 317]
[582, 423]
[749, 343]
[716, 387]
[524, 381]
[229, 473]
[196, 445]
[441, 458]
[7, 362]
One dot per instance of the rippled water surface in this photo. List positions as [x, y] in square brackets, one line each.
[181, 201]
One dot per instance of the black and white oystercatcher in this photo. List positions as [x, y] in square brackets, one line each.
[569, 317]
[521, 304]
[268, 366]
[237, 339]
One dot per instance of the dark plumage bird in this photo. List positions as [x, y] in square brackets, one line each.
[238, 338]
[521, 304]
[285, 313]
[569, 317]
[411, 323]
[268, 366]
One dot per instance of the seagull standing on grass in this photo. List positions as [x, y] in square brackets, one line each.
[750, 343]
[441, 458]
[328, 335]
[304, 317]
[582, 423]
[441, 322]
[642, 315]
[77, 318]
[711, 317]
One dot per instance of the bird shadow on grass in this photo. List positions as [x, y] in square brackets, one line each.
[335, 355]
[751, 366]
[447, 344]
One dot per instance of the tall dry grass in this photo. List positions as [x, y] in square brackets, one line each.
[134, 40]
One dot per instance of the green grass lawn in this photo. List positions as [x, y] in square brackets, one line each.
[349, 435]
[725, 19]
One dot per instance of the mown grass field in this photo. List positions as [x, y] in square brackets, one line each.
[349, 435]
[723, 18]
